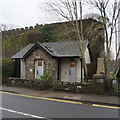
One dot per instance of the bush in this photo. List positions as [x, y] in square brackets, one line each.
[46, 76]
[7, 69]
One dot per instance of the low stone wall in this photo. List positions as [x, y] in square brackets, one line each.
[35, 84]
[97, 88]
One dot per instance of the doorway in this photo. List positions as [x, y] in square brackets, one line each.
[72, 71]
[38, 68]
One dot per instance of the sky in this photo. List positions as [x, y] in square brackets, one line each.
[19, 12]
[22, 13]
[25, 13]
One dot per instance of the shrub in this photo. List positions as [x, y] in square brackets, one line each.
[46, 76]
[7, 69]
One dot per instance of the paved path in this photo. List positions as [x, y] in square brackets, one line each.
[17, 106]
[55, 94]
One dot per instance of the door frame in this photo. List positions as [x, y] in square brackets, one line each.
[75, 69]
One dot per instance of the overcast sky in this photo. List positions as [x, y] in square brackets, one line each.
[28, 12]
[25, 12]
[19, 12]
[22, 13]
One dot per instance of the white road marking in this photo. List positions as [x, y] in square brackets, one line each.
[25, 114]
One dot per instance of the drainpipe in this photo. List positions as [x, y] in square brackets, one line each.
[81, 71]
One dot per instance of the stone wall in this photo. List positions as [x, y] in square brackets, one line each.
[50, 64]
[35, 84]
[86, 88]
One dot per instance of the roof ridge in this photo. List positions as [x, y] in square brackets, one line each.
[58, 42]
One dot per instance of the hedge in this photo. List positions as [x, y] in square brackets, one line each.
[96, 88]
[7, 69]
[36, 84]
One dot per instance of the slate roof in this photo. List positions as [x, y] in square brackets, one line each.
[23, 52]
[56, 49]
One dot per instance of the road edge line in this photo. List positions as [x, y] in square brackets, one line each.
[58, 100]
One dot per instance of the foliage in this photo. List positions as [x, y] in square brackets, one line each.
[46, 76]
[48, 33]
[17, 43]
[33, 36]
[85, 79]
[7, 69]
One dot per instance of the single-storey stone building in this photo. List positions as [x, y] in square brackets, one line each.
[61, 59]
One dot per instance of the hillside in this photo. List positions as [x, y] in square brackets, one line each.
[14, 40]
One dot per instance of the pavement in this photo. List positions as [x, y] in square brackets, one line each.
[92, 98]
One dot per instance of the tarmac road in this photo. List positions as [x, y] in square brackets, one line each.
[16, 106]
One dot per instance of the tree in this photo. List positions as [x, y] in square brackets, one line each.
[33, 36]
[48, 33]
[72, 12]
[110, 21]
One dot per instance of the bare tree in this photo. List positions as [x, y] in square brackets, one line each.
[110, 21]
[72, 12]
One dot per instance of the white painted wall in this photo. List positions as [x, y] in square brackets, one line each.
[22, 69]
[78, 69]
[65, 68]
